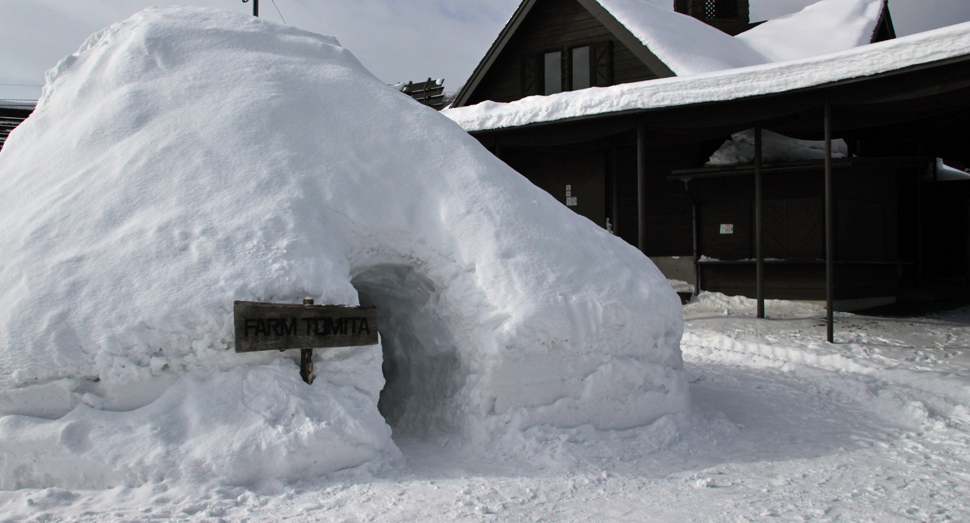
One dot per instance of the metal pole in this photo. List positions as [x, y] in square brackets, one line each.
[615, 194]
[641, 184]
[255, 7]
[758, 222]
[829, 228]
[306, 356]
[697, 248]
[919, 231]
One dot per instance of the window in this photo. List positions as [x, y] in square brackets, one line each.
[580, 68]
[721, 9]
[568, 69]
[553, 73]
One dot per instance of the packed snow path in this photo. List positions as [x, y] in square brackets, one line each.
[837, 437]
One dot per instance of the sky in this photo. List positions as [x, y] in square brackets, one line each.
[397, 40]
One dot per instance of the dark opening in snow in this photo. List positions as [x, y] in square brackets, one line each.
[420, 358]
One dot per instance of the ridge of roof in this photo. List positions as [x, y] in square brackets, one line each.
[595, 7]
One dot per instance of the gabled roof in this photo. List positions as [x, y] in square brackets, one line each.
[673, 44]
[659, 37]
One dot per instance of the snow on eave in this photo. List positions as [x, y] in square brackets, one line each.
[921, 49]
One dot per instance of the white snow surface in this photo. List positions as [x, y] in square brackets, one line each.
[685, 44]
[900, 53]
[689, 46]
[825, 27]
[185, 158]
[739, 149]
[783, 427]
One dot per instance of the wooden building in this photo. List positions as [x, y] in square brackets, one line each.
[760, 229]
[12, 114]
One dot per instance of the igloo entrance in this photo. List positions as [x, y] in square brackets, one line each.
[421, 365]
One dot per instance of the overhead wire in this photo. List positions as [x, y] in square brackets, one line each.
[278, 11]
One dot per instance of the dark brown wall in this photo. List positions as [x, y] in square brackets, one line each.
[695, 8]
[582, 172]
[553, 25]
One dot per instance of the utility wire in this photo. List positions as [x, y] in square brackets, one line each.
[278, 11]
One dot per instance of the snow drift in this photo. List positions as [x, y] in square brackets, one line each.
[186, 158]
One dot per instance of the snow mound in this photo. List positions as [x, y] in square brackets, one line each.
[739, 149]
[186, 158]
[825, 27]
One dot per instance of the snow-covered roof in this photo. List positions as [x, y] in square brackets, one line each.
[672, 43]
[689, 46]
[822, 28]
[884, 57]
[683, 43]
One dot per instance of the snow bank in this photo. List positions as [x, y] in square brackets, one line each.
[186, 158]
[739, 149]
[900, 53]
[821, 28]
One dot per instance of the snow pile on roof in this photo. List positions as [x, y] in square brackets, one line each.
[685, 44]
[689, 46]
[186, 158]
[739, 149]
[822, 28]
[900, 53]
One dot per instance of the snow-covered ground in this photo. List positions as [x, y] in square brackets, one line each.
[783, 427]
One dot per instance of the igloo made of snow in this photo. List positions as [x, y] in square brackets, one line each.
[186, 158]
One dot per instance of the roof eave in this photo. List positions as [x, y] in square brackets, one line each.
[816, 89]
[493, 52]
[638, 48]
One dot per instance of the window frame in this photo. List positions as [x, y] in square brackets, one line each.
[546, 91]
[599, 68]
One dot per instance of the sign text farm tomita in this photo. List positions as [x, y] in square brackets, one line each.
[274, 326]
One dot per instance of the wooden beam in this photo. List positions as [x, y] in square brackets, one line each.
[614, 193]
[641, 184]
[758, 223]
[829, 228]
[697, 247]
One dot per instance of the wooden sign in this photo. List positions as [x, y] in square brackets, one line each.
[273, 326]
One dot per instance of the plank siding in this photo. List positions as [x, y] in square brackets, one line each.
[553, 25]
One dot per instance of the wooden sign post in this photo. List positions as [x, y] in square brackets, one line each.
[274, 326]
